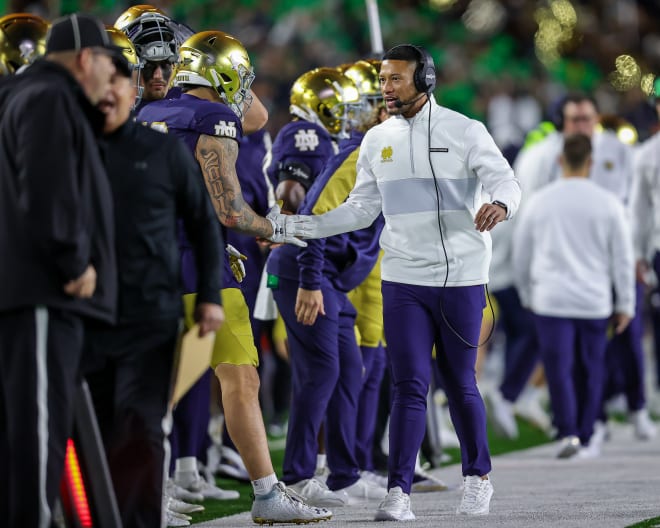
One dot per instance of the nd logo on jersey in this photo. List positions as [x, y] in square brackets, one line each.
[386, 154]
[225, 129]
[306, 140]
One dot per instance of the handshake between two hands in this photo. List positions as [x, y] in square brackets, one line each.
[288, 229]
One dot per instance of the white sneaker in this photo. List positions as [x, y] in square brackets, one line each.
[645, 429]
[568, 447]
[530, 408]
[283, 505]
[500, 411]
[173, 519]
[476, 496]
[374, 478]
[601, 433]
[395, 507]
[180, 506]
[197, 484]
[360, 491]
[174, 490]
[427, 482]
[316, 493]
[589, 452]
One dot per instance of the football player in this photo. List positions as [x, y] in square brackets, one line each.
[215, 75]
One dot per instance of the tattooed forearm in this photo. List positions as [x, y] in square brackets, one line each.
[217, 159]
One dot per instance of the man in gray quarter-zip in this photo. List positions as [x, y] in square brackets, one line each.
[425, 169]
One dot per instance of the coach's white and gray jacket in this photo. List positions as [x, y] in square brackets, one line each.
[395, 177]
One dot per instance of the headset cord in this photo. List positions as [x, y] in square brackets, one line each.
[438, 195]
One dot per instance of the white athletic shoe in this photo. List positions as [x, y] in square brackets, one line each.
[174, 490]
[500, 411]
[427, 482]
[175, 519]
[374, 478]
[568, 447]
[360, 491]
[645, 429]
[476, 496]
[180, 506]
[395, 507]
[530, 408]
[283, 505]
[197, 484]
[316, 493]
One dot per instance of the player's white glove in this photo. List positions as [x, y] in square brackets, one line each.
[284, 227]
[236, 259]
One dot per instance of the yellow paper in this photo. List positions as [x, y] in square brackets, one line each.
[192, 360]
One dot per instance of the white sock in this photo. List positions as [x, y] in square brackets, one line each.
[185, 471]
[321, 460]
[263, 485]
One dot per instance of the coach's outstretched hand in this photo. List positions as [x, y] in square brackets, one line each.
[286, 227]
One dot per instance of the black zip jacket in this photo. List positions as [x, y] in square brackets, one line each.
[56, 214]
[156, 181]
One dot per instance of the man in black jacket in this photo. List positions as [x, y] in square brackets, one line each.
[155, 181]
[58, 261]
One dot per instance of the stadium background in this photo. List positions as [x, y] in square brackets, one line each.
[482, 48]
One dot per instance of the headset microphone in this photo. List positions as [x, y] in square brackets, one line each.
[400, 104]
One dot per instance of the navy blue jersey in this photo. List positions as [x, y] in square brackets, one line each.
[300, 145]
[346, 259]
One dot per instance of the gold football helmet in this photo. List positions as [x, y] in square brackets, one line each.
[120, 40]
[151, 31]
[218, 60]
[129, 16]
[365, 77]
[327, 97]
[22, 41]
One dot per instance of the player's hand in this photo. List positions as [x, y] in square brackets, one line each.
[84, 286]
[209, 316]
[284, 227]
[488, 216]
[236, 259]
[309, 304]
[621, 322]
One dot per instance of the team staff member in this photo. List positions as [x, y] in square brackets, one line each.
[155, 181]
[571, 248]
[58, 260]
[426, 177]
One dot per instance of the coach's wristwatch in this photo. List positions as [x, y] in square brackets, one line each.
[502, 205]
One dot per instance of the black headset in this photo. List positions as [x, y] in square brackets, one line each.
[424, 76]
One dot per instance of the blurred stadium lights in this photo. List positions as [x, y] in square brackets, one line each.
[484, 17]
[646, 84]
[627, 75]
[441, 5]
[557, 24]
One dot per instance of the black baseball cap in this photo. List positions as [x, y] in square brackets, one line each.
[77, 31]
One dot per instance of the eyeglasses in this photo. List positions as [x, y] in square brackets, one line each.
[150, 67]
[581, 118]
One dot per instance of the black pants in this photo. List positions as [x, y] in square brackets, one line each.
[40, 350]
[128, 369]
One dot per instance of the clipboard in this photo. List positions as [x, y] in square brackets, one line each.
[192, 359]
